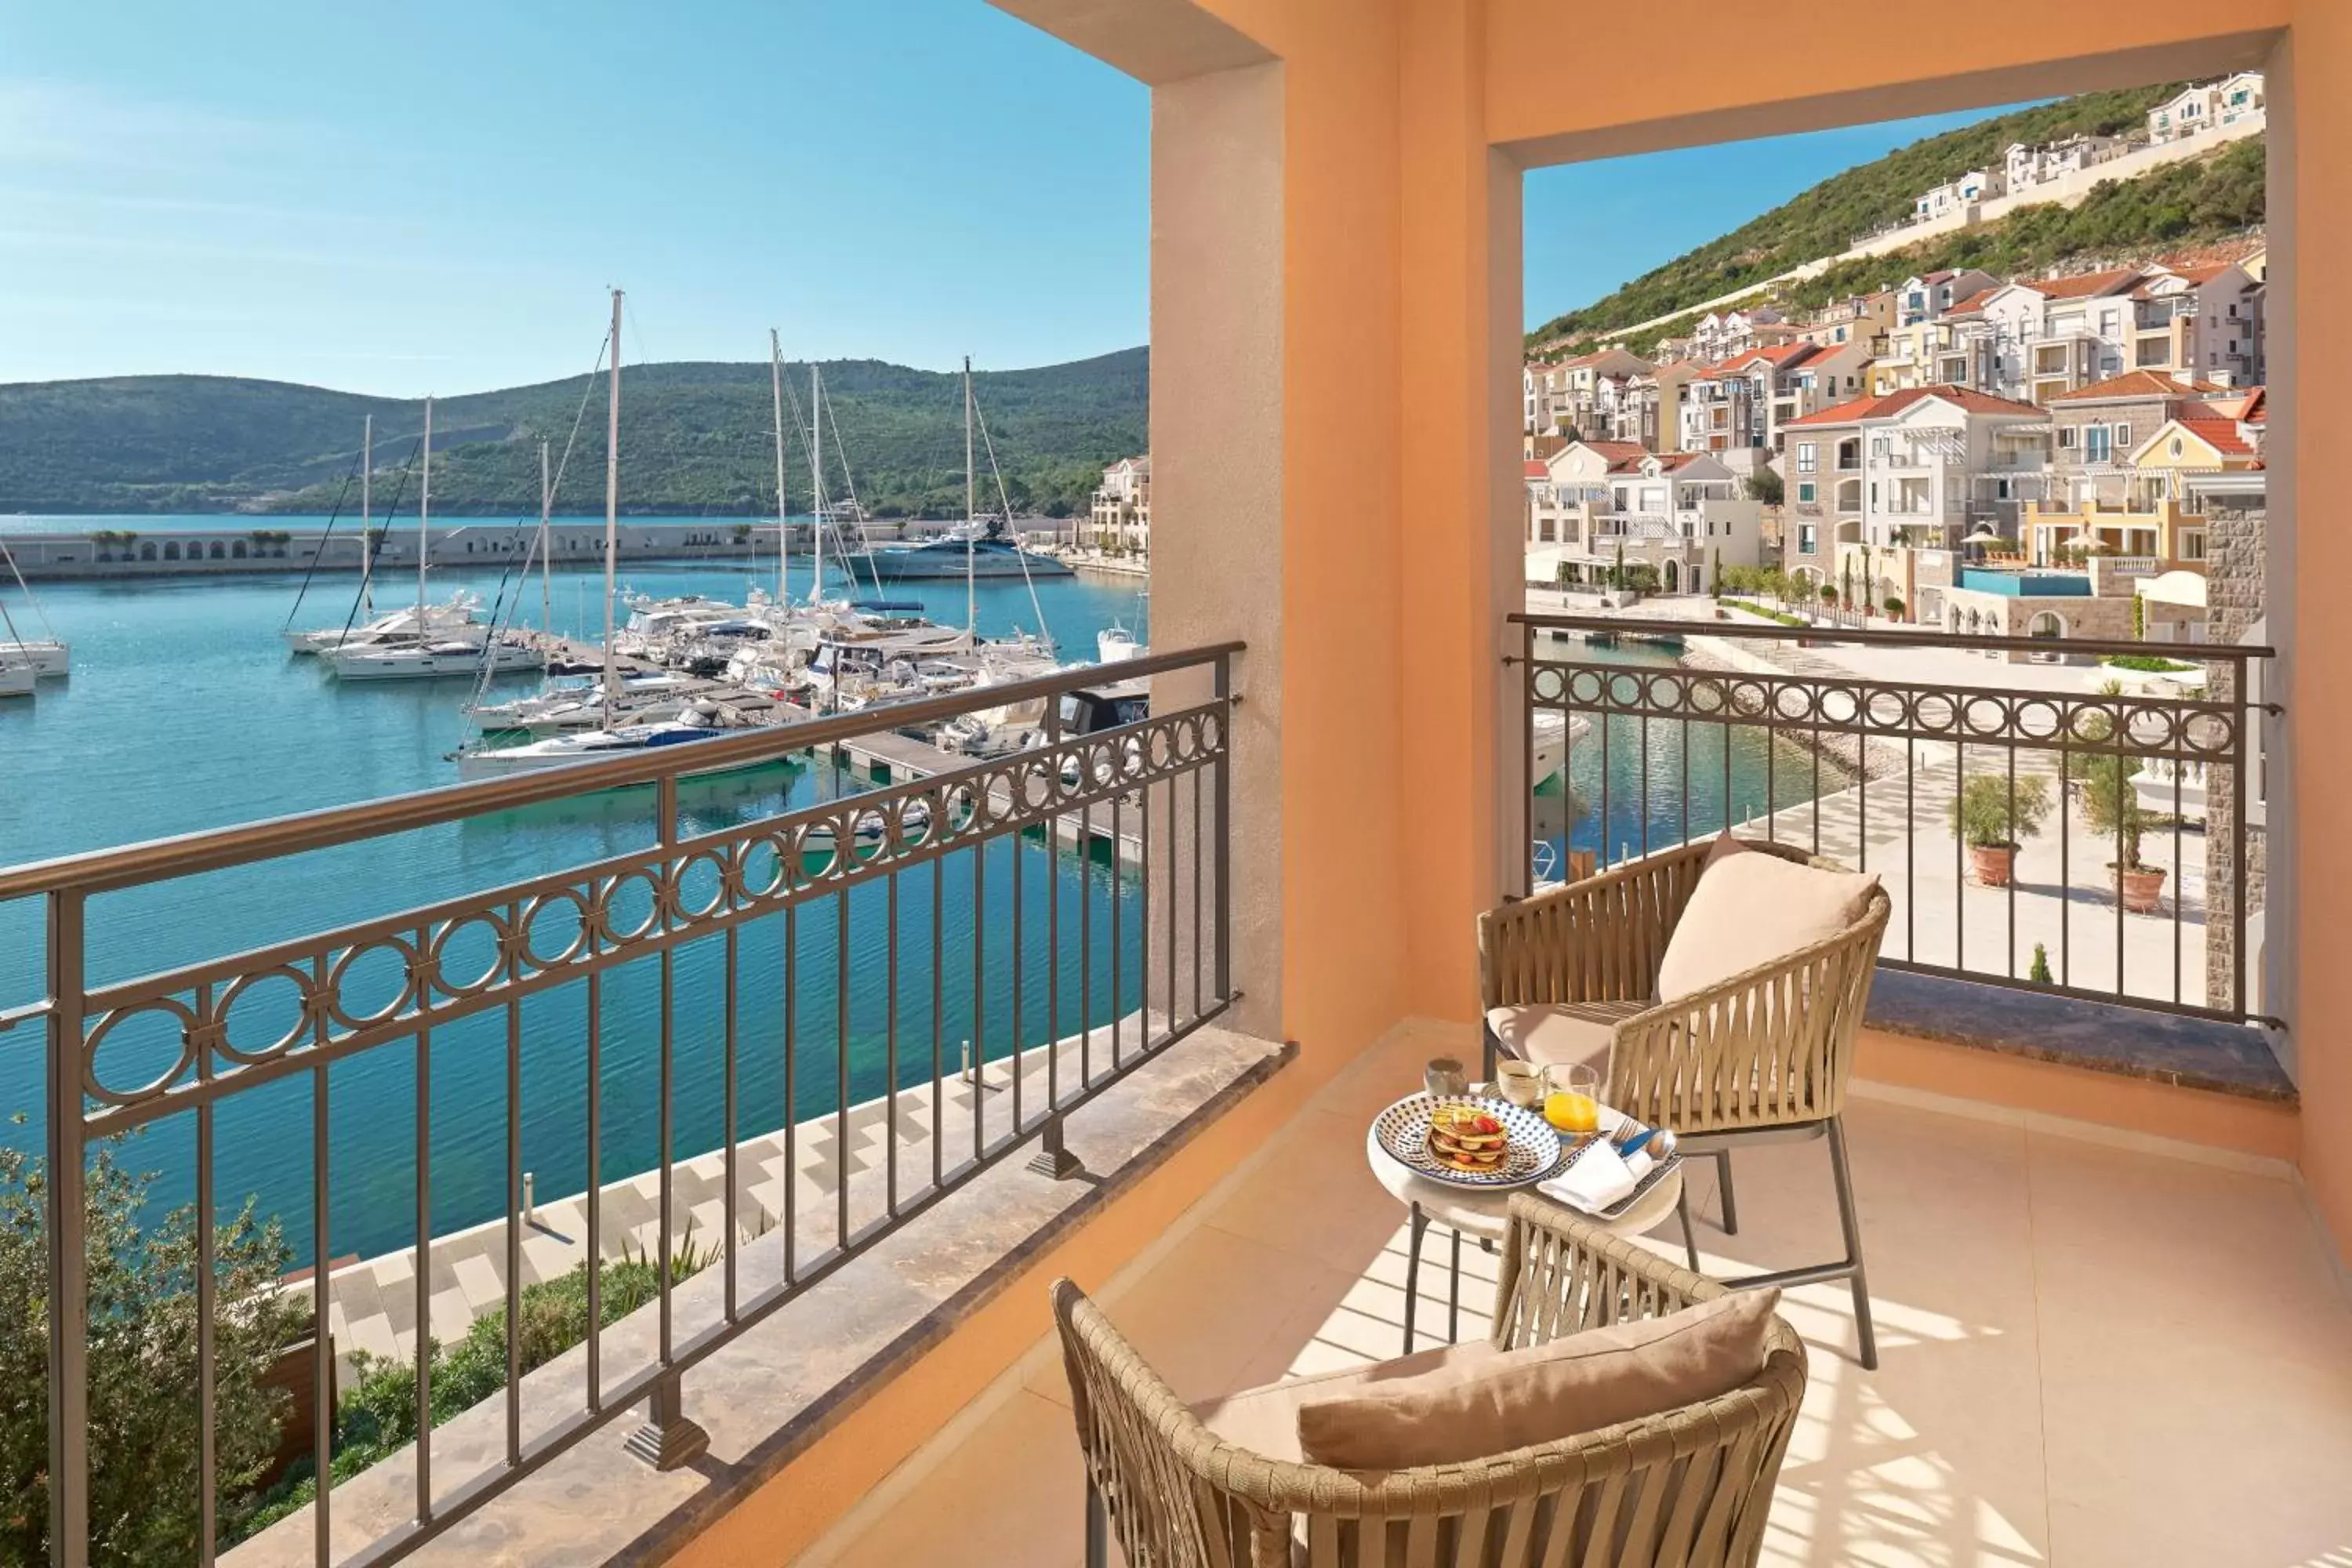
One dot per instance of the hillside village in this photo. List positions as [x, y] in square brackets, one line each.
[2027, 455]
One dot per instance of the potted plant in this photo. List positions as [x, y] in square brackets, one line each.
[2112, 809]
[1990, 814]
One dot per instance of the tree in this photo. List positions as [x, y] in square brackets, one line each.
[2110, 801]
[143, 1441]
[1765, 485]
[1617, 573]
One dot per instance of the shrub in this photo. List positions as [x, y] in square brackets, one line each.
[142, 1427]
[1894, 606]
[1985, 815]
[2146, 661]
[377, 1415]
[2040, 972]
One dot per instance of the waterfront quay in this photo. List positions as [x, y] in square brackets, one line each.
[121, 548]
[249, 543]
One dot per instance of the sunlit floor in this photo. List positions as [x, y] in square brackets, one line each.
[2091, 1353]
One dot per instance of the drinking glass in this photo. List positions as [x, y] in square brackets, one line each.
[1571, 1098]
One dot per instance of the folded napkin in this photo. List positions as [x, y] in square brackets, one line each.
[1597, 1177]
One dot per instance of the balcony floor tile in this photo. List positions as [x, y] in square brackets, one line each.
[2089, 1354]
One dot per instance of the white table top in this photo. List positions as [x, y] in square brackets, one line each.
[1486, 1211]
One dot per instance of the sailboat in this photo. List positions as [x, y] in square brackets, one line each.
[612, 738]
[431, 654]
[44, 656]
[453, 621]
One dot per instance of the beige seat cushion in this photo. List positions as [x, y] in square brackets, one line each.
[1265, 1420]
[1558, 1034]
[1750, 909]
[1472, 1407]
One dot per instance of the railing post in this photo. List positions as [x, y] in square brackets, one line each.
[1224, 845]
[668, 1439]
[69, 1271]
[1053, 1157]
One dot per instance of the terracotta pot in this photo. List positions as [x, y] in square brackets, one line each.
[1990, 864]
[2142, 890]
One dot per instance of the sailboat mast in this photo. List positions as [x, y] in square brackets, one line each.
[423, 519]
[776, 390]
[546, 541]
[816, 474]
[367, 514]
[970, 511]
[612, 510]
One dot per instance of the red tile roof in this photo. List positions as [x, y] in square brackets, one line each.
[2135, 384]
[2221, 435]
[1862, 408]
[2083, 285]
[1616, 452]
[1534, 471]
[1974, 301]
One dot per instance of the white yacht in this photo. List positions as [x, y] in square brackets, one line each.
[1551, 730]
[17, 679]
[42, 656]
[473, 652]
[430, 660]
[1115, 645]
[450, 621]
[699, 722]
[46, 654]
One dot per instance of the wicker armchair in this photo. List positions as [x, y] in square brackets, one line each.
[1691, 1486]
[1763, 1056]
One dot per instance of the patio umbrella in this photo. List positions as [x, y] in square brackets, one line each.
[1983, 535]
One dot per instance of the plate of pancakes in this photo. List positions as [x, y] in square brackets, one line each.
[1469, 1141]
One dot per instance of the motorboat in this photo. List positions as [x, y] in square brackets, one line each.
[699, 722]
[965, 550]
[451, 621]
[430, 660]
[562, 707]
[1115, 645]
[1550, 731]
[43, 656]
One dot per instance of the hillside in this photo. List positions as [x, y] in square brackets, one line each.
[1824, 220]
[696, 438]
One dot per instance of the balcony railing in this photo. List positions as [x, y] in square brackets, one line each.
[998, 941]
[1738, 731]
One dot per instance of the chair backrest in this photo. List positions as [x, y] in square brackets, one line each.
[1691, 1486]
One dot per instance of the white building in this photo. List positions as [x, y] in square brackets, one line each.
[1921, 466]
[1679, 514]
[2206, 105]
[1121, 519]
[1958, 195]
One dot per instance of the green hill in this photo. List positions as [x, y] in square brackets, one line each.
[1825, 219]
[696, 439]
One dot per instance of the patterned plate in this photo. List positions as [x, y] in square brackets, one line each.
[1534, 1150]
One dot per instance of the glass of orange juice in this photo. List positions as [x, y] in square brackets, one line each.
[1571, 1100]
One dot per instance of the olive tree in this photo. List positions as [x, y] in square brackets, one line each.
[143, 1413]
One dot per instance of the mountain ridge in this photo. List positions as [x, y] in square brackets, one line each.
[696, 438]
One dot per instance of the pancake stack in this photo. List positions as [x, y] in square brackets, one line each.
[1465, 1138]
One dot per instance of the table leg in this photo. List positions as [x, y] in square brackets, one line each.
[1416, 1223]
[1453, 1297]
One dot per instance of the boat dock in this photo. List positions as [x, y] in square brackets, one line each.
[884, 756]
[892, 758]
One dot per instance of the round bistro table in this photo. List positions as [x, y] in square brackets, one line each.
[1484, 1212]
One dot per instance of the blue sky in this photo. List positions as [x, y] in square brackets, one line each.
[434, 196]
[1593, 226]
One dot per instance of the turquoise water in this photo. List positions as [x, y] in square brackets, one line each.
[2017, 584]
[1633, 785]
[184, 712]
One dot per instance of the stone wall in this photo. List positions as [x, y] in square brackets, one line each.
[2234, 566]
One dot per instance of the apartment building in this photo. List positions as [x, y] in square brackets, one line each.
[1649, 405]
[1121, 518]
[1922, 465]
[2206, 106]
[1855, 319]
